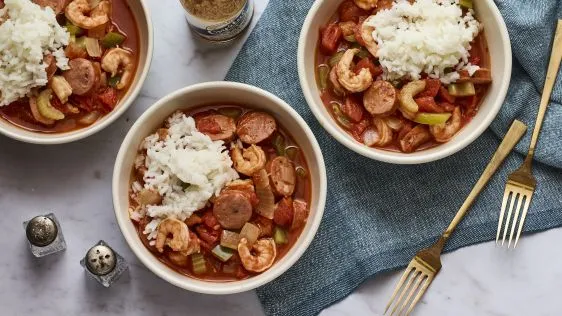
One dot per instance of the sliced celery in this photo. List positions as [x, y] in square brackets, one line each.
[301, 171]
[280, 236]
[350, 38]
[114, 81]
[432, 118]
[73, 29]
[230, 112]
[279, 144]
[466, 4]
[463, 89]
[251, 232]
[222, 253]
[340, 117]
[291, 152]
[112, 39]
[198, 263]
[323, 73]
[363, 52]
[335, 59]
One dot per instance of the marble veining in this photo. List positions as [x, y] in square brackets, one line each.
[74, 182]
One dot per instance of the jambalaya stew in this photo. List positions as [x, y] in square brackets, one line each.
[220, 193]
[397, 78]
[88, 70]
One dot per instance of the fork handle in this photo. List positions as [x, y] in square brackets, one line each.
[512, 137]
[553, 66]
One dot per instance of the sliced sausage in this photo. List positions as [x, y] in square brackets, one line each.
[416, 137]
[51, 63]
[232, 209]
[216, 126]
[255, 127]
[81, 76]
[56, 5]
[300, 210]
[381, 98]
[283, 176]
[283, 215]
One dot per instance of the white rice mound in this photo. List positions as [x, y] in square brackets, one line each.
[187, 169]
[427, 36]
[28, 33]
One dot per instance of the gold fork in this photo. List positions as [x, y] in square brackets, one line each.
[426, 264]
[521, 183]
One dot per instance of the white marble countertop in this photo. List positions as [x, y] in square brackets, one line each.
[73, 181]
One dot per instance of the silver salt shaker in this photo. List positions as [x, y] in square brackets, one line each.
[44, 235]
[103, 264]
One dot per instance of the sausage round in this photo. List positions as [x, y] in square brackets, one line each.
[216, 126]
[232, 209]
[81, 76]
[381, 98]
[283, 176]
[255, 127]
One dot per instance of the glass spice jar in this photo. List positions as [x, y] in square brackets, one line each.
[218, 20]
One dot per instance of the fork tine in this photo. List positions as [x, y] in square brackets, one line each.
[507, 220]
[421, 292]
[522, 221]
[405, 289]
[500, 221]
[515, 218]
[406, 273]
[419, 278]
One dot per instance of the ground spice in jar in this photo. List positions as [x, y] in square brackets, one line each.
[218, 20]
[214, 10]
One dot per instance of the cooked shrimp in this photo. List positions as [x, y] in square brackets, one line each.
[250, 160]
[116, 59]
[178, 229]
[347, 77]
[384, 130]
[444, 132]
[265, 253]
[366, 4]
[367, 36]
[77, 12]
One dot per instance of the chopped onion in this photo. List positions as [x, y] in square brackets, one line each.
[371, 137]
[266, 205]
[89, 118]
[93, 47]
[394, 123]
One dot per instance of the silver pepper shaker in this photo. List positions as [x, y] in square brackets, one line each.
[44, 235]
[103, 264]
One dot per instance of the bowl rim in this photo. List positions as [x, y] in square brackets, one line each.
[187, 282]
[399, 158]
[64, 138]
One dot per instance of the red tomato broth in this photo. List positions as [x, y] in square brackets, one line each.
[303, 191]
[18, 112]
[479, 55]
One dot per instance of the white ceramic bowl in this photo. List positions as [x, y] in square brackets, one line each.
[144, 25]
[500, 54]
[217, 93]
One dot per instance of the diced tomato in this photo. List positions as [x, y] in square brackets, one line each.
[427, 104]
[367, 63]
[431, 88]
[108, 98]
[469, 104]
[448, 107]
[358, 31]
[283, 215]
[444, 94]
[205, 245]
[358, 129]
[210, 220]
[193, 220]
[352, 108]
[84, 102]
[349, 11]
[331, 37]
[210, 237]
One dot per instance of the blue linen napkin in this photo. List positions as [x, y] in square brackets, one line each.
[378, 215]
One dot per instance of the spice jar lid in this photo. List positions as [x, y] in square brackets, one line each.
[41, 231]
[100, 260]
